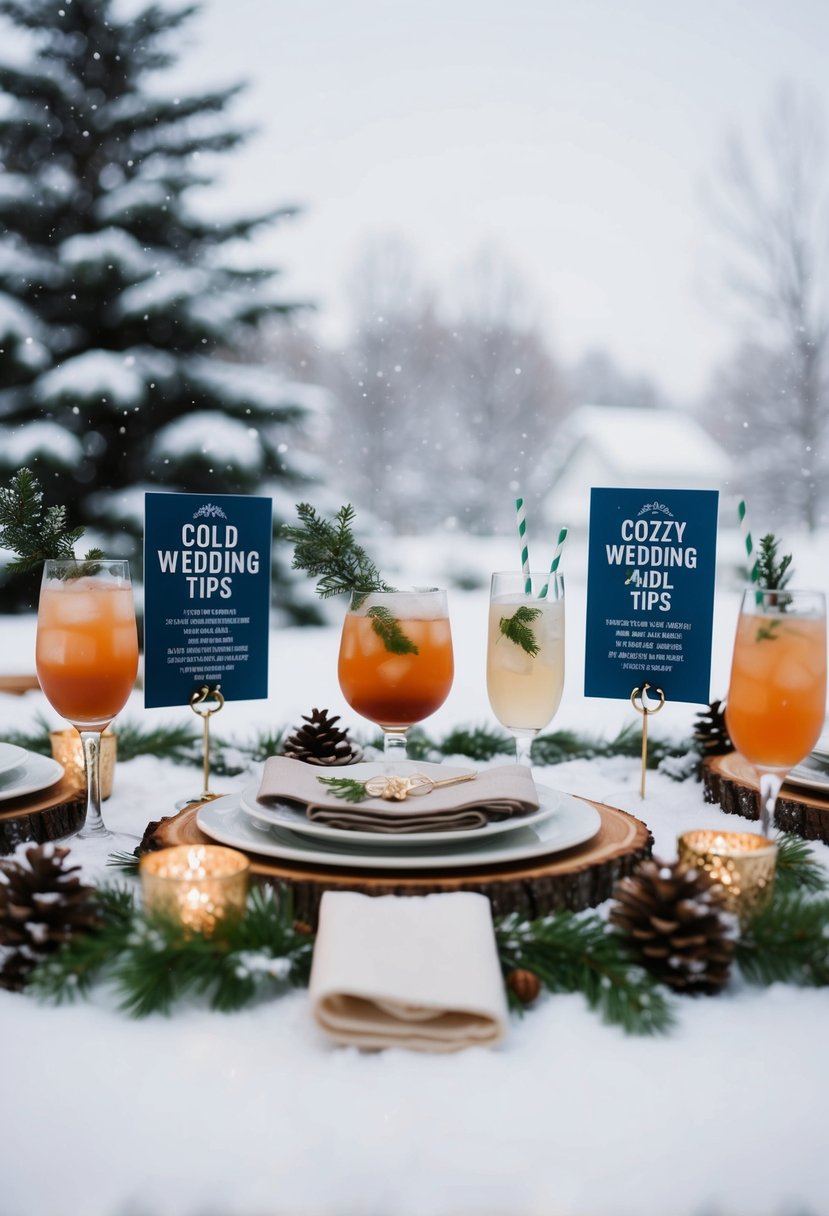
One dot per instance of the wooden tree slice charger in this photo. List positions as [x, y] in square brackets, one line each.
[48, 815]
[731, 781]
[578, 878]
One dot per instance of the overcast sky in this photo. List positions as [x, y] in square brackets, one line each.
[575, 135]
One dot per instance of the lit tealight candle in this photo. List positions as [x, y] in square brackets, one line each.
[67, 749]
[195, 884]
[743, 863]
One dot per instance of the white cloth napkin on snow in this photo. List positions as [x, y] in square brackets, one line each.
[408, 971]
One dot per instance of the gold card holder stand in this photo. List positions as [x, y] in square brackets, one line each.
[199, 705]
[638, 699]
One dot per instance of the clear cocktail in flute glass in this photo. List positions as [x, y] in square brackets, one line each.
[525, 653]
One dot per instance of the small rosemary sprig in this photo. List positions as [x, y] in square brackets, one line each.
[33, 534]
[386, 625]
[517, 628]
[346, 788]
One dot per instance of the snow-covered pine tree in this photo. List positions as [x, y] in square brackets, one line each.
[120, 310]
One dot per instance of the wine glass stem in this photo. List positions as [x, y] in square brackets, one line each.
[394, 743]
[770, 784]
[93, 823]
[523, 747]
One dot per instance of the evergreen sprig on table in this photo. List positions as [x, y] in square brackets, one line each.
[571, 952]
[32, 533]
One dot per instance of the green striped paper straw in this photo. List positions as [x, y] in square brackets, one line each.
[562, 537]
[525, 553]
[745, 531]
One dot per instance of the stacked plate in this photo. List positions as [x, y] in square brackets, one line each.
[282, 830]
[813, 772]
[24, 772]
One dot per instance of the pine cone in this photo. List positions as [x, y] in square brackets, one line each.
[42, 906]
[678, 926]
[711, 732]
[525, 984]
[321, 741]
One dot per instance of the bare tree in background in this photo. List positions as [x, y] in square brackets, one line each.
[770, 404]
[441, 413]
[597, 379]
[509, 395]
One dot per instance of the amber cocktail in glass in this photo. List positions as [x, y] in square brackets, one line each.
[396, 664]
[777, 696]
[87, 656]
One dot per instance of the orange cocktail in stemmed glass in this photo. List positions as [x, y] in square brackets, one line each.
[87, 656]
[777, 696]
[396, 664]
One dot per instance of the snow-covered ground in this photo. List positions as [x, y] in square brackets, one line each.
[254, 1113]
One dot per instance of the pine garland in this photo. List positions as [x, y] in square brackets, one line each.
[479, 743]
[569, 952]
[154, 963]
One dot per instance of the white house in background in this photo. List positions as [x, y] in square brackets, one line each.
[601, 445]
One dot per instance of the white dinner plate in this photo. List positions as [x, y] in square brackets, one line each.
[34, 774]
[11, 756]
[291, 816]
[574, 823]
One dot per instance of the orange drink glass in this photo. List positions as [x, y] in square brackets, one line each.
[87, 656]
[396, 664]
[777, 696]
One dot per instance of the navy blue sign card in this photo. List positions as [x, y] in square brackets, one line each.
[207, 591]
[650, 592]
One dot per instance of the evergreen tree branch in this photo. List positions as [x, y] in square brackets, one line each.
[786, 942]
[797, 870]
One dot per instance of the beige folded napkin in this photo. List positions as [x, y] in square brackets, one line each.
[496, 793]
[420, 972]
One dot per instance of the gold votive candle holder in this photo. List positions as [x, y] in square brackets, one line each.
[195, 884]
[743, 863]
[67, 749]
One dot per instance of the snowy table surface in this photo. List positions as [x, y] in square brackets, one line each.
[203, 1114]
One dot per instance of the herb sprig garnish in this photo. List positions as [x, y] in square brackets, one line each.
[346, 788]
[33, 534]
[386, 625]
[772, 574]
[517, 628]
[329, 552]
